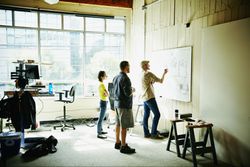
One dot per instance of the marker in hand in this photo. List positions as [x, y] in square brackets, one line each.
[165, 70]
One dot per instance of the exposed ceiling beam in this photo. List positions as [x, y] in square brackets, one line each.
[115, 3]
[68, 7]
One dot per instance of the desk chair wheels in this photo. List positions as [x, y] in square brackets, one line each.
[64, 126]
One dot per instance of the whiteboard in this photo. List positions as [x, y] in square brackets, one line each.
[177, 82]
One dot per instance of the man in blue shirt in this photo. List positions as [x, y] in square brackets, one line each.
[123, 101]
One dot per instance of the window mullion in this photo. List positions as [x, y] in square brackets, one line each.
[13, 18]
[62, 21]
[84, 54]
[39, 42]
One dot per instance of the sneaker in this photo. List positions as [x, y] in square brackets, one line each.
[104, 132]
[158, 136]
[147, 136]
[127, 150]
[100, 136]
[118, 146]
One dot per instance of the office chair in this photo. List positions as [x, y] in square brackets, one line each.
[66, 100]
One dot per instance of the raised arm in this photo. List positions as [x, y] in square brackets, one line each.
[163, 75]
[156, 79]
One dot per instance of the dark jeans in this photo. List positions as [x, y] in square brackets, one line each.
[151, 105]
[103, 107]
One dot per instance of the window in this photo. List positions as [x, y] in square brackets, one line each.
[66, 52]
[103, 52]
[95, 24]
[73, 22]
[25, 19]
[116, 26]
[16, 44]
[49, 20]
[21, 37]
[5, 17]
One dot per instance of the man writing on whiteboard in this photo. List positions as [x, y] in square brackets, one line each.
[149, 102]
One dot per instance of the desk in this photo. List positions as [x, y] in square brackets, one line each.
[34, 93]
[11, 93]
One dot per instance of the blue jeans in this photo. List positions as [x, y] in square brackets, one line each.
[103, 107]
[151, 105]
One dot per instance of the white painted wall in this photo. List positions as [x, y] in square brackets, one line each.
[48, 109]
[166, 28]
[225, 88]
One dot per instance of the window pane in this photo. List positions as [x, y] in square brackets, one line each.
[73, 22]
[117, 26]
[94, 40]
[3, 39]
[25, 19]
[48, 20]
[6, 17]
[54, 38]
[115, 44]
[95, 24]
[64, 50]
[19, 44]
[18, 37]
[101, 54]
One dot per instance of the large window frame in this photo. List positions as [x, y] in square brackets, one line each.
[86, 84]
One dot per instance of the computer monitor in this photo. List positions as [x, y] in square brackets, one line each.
[31, 72]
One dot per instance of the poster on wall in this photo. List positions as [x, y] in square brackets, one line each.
[177, 82]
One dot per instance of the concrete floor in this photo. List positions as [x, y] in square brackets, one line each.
[81, 147]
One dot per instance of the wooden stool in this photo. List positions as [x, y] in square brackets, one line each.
[179, 139]
[137, 112]
[135, 118]
[199, 147]
[141, 114]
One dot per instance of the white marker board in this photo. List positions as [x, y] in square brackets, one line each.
[177, 83]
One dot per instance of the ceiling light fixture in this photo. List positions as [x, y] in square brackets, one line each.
[51, 2]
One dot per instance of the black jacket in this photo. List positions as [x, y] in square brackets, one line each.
[122, 91]
[22, 111]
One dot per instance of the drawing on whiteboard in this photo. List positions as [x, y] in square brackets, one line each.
[178, 80]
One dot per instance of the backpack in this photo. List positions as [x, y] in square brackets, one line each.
[111, 95]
